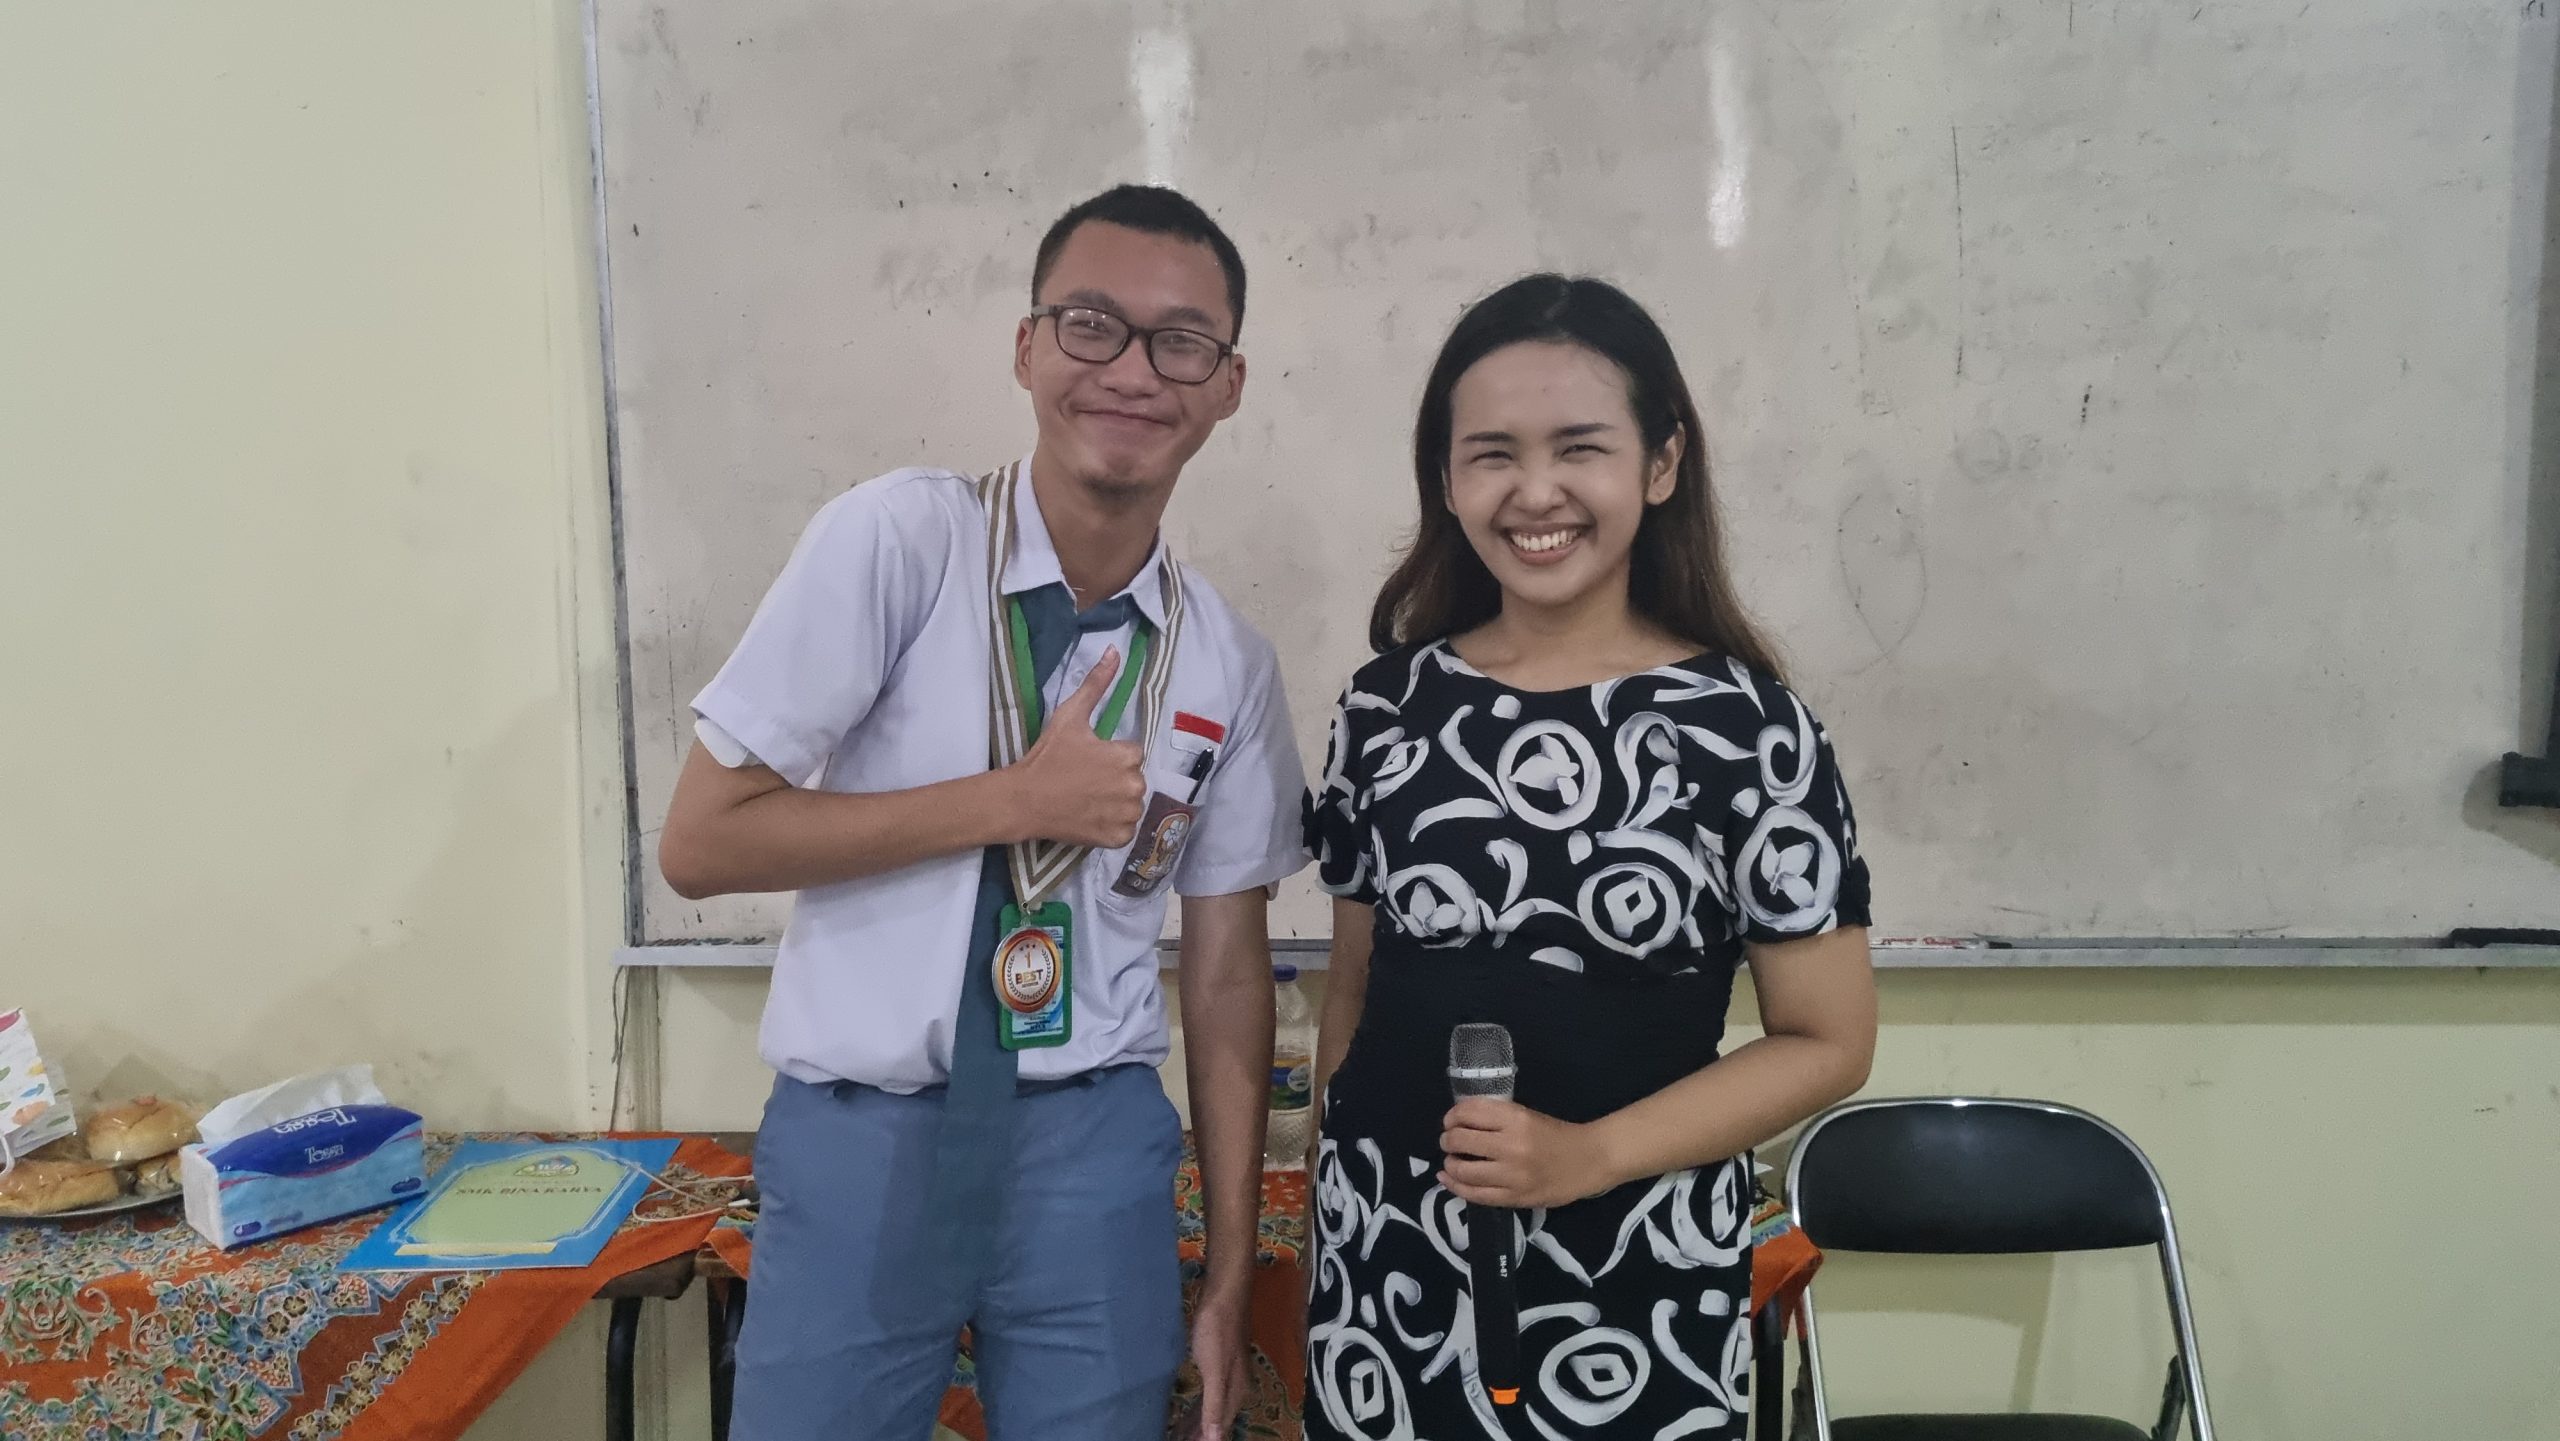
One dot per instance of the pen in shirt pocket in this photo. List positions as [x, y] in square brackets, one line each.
[1207, 735]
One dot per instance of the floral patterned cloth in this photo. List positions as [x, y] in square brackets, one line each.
[1278, 1380]
[133, 1326]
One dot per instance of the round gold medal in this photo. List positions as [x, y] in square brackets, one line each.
[1027, 970]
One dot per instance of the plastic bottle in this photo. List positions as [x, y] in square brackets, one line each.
[1293, 1056]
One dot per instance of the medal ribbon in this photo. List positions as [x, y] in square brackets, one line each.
[1039, 867]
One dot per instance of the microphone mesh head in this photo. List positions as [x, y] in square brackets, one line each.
[1480, 1060]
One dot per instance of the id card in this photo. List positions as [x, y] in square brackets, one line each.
[1161, 834]
[1034, 976]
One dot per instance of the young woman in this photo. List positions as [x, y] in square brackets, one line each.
[1570, 796]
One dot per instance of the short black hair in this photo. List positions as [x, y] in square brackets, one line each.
[1156, 210]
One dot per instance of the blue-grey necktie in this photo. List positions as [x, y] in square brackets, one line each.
[976, 1142]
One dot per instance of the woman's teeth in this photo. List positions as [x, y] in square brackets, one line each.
[1544, 540]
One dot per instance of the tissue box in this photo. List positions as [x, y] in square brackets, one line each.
[32, 1110]
[303, 1171]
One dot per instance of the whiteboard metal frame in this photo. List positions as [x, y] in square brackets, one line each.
[2404, 954]
[635, 919]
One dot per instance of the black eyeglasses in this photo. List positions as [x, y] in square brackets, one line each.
[1096, 337]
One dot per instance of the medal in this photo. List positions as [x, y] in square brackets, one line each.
[1034, 977]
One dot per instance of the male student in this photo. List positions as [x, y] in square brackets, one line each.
[943, 729]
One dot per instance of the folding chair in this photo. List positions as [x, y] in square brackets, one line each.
[1956, 1176]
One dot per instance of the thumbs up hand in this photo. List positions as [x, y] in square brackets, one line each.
[1074, 786]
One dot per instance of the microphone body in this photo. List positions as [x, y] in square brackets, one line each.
[1481, 1063]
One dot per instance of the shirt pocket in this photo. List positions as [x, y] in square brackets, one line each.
[1139, 876]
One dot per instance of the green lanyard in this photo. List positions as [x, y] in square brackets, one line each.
[1034, 708]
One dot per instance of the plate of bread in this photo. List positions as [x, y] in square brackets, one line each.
[123, 1158]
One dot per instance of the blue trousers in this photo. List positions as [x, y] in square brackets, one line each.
[851, 1321]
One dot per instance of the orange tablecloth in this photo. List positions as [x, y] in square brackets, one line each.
[135, 1326]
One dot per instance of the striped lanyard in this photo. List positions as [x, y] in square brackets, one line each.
[1039, 867]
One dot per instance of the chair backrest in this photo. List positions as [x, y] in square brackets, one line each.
[1953, 1175]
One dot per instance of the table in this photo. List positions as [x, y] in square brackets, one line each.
[134, 1326]
[1783, 1263]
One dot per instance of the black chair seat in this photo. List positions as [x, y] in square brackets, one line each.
[1985, 1428]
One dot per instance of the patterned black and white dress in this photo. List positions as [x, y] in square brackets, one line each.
[1582, 866]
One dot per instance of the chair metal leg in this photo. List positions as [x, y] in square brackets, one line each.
[621, 1340]
[2173, 1275]
[1821, 1408]
[723, 1314]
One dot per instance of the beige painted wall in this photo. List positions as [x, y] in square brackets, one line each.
[306, 754]
[301, 543]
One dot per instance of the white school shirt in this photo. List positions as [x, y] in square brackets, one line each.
[865, 670]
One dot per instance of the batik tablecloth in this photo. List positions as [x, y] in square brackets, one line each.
[134, 1328]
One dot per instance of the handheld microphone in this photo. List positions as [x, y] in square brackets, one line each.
[1481, 1064]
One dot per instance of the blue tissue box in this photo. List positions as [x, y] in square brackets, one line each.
[297, 1173]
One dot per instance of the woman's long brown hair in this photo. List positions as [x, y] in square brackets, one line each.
[1677, 577]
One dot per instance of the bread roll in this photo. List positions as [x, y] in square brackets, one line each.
[139, 1130]
[157, 1176]
[60, 1148]
[40, 1188]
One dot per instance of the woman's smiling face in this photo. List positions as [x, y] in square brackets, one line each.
[1548, 474]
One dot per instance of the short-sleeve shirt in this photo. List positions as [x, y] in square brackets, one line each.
[865, 670]
[1650, 823]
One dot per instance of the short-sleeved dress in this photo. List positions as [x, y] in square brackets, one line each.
[1582, 866]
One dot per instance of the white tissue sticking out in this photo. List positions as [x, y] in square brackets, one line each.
[298, 1096]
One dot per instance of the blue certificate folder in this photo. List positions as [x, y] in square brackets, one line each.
[516, 1205]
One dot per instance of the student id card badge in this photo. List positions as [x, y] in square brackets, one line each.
[1166, 827]
[1035, 976]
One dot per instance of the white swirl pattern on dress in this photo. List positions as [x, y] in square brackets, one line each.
[1690, 884]
[1700, 809]
[1589, 1373]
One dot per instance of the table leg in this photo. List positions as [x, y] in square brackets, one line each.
[1769, 1372]
[621, 1340]
[725, 1313]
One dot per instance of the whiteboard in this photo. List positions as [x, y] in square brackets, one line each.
[2120, 410]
